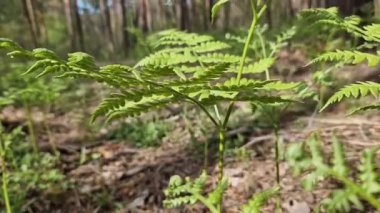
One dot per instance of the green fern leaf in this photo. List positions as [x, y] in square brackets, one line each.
[348, 57]
[356, 90]
[257, 201]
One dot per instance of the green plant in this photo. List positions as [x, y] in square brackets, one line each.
[141, 133]
[4, 143]
[370, 33]
[28, 92]
[186, 67]
[187, 192]
[309, 157]
[26, 172]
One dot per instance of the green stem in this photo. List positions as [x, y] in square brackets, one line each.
[199, 104]
[32, 133]
[277, 159]
[49, 134]
[4, 178]
[222, 143]
[207, 203]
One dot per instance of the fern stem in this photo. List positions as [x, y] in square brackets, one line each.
[360, 191]
[205, 201]
[200, 105]
[4, 177]
[32, 133]
[222, 144]
[49, 134]
[277, 159]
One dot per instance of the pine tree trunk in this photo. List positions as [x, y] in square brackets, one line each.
[377, 9]
[227, 15]
[183, 15]
[144, 15]
[107, 27]
[78, 26]
[40, 22]
[29, 15]
[124, 25]
[70, 24]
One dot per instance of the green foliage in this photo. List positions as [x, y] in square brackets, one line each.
[28, 173]
[141, 133]
[369, 33]
[309, 157]
[188, 192]
[255, 204]
[160, 79]
[217, 6]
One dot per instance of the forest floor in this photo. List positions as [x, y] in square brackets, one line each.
[136, 177]
[109, 175]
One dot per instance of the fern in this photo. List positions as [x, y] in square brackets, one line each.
[255, 204]
[186, 191]
[349, 57]
[365, 187]
[357, 90]
[352, 25]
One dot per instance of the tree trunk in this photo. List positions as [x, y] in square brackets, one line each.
[29, 15]
[40, 22]
[70, 24]
[227, 15]
[144, 15]
[107, 27]
[78, 26]
[377, 9]
[207, 14]
[124, 22]
[183, 15]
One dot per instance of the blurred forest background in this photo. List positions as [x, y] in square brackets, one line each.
[113, 29]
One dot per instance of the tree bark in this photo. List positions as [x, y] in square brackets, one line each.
[377, 9]
[29, 15]
[227, 15]
[124, 25]
[144, 16]
[70, 24]
[107, 27]
[40, 22]
[207, 6]
[183, 12]
[78, 26]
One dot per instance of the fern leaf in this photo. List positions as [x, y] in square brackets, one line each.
[368, 171]
[258, 67]
[364, 108]
[356, 90]
[339, 158]
[348, 57]
[257, 201]
[216, 8]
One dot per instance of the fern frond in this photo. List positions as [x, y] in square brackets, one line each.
[257, 67]
[339, 161]
[131, 109]
[369, 174]
[257, 201]
[356, 90]
[348, 57]
[364, 108]
[331, 16]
